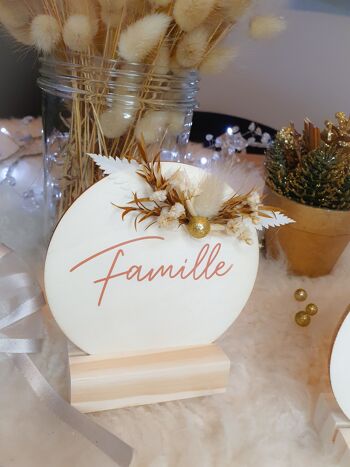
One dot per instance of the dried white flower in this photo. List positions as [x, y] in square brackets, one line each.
[254, 200]
[158, 196]
[166, 220]
[177, 210]
[181, 182]
[232, 226]
[238, 229]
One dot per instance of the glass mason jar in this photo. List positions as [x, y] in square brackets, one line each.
[108, 107]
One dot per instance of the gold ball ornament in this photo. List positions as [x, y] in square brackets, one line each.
[199, 226]
[302, 319]
[311, 309]
[300, 295]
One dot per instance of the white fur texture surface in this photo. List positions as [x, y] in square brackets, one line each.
[264, 419]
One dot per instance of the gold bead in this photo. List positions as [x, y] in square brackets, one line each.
[300, 295]
[199, 226]
[311, 309]
[302, 319]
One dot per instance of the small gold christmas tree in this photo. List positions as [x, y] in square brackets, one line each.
[312, 168]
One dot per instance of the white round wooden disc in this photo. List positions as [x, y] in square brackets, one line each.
[340, 367]
[132, 313]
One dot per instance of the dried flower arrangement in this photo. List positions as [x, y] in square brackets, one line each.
[169, 37]
[201, 206]
[312, 168]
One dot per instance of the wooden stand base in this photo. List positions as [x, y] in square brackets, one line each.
[333, 428]
[108, 382]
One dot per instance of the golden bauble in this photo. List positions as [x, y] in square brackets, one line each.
[311, 309]
[302, 318]
[198, 226]
[300, 295]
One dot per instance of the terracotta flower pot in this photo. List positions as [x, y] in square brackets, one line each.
[315, 242]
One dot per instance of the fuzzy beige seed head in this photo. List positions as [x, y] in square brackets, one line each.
[115, 122]
[151, 127]
[138, 40]
[78, 33]
[266, 27]
[192, 47]
[160, 3]
[232, 10]
[13, 15]
[161, 64]
[175, 122]
[189, 14]
[112, 12]
[218, 60]
[45, 33]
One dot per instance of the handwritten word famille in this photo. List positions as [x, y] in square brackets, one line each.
[205, 266]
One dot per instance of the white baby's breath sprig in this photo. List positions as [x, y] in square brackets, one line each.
[158, 196]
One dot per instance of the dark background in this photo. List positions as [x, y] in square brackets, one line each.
[19, 94]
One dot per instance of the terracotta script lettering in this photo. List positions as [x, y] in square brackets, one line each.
[205, 266]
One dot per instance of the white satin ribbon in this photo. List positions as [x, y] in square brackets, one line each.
[120, 452]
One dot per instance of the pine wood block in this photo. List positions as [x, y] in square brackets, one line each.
[108, 382]
[332, 425]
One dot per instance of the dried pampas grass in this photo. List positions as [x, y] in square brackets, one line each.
[266, 27]
[211, 194]
[78, 33]
[45, 33]
[218, 60]
[189, 14]
[138, 40]
[192, 47]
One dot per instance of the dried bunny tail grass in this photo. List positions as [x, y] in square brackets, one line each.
[192, 47]
[45, 33]
[112, 12]
[160, 3]
[14, 15]
[175, 122]
[161, 65]
[212, 193]
[22, 35]
[115, 122]
[152, 126]
[189, 14]
[232, 10]
[86, 8]
[138, 40]
[266, 27]
[218, 60]
[78, 33]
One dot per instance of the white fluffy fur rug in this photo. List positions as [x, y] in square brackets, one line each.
[264, 419]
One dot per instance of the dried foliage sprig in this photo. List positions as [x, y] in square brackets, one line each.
[202, 207]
